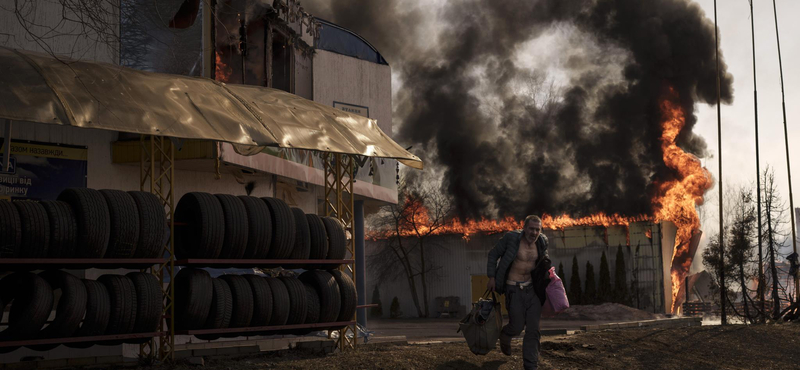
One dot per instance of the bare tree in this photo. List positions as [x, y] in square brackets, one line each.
[711, 256]
[740, 233]
[741, 250]
[774, 217]
[405, 230]
[84, 25]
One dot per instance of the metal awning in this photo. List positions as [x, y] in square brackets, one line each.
[38, 88]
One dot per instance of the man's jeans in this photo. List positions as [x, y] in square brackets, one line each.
[524, 311]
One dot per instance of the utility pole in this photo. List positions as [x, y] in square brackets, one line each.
[722, 298]
[761, 280]
[786, 142]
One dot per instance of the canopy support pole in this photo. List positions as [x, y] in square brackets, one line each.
[156, 175]
[339, 197]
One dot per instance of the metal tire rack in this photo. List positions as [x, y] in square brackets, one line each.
[157, 176]
[157, 173]
[161, 149]
[29, 264]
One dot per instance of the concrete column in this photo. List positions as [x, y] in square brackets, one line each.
[361, 267]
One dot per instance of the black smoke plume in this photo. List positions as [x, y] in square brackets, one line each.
[589, 144]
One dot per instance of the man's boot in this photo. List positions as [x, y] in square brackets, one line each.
[505, 344]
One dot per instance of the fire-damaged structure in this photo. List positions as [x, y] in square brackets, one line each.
[456, 265]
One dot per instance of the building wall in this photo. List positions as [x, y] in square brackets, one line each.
[454, 261]
[344, 79]
[350, 80]
[102, 174]
[303, 75]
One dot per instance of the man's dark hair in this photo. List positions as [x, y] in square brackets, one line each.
[531, 218]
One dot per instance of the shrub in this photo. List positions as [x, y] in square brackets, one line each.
[604, 292]
[590, 291]
[620, 287]
[574, 293]
[394, 310]
[376, 299]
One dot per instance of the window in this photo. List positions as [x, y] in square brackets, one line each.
[281, 62]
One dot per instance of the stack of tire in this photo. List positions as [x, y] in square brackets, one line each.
[224, 226]
[242, 301]
[112, 304]
[84, 223]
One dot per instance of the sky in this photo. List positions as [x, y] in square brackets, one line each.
[738, 119]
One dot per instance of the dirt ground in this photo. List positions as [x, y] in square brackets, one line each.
[699, 347]
[416, 330]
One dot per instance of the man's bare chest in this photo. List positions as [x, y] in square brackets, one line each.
[527, 253]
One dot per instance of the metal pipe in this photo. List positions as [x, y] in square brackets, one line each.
[758, 172]
[686, 283]
[723, 316]
[361, 266]
[6, 145]
[786, 142]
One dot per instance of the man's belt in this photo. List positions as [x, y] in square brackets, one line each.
[520, 284]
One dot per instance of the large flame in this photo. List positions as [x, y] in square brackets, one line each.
[678, 198]
[222, 72]
[675, 201]
[417, 222]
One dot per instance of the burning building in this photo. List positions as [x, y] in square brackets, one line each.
[676, 236]
[456, 260]
[618, 138]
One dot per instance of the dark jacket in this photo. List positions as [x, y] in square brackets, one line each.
[506, 251]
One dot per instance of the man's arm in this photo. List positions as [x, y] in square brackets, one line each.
[545, 244]
[491, 267]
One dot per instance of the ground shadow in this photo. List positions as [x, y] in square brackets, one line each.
[464, 365]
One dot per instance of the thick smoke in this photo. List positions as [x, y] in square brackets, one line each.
[590, 145]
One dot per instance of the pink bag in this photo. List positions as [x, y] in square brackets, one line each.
[556, 296]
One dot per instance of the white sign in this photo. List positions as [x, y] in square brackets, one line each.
[352, 108]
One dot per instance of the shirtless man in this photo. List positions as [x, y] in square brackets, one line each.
[521, 274]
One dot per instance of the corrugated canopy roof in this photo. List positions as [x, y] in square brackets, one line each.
[40, 88]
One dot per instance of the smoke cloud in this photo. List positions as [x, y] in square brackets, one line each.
[511, 137]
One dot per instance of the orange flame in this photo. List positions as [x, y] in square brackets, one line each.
[678, 198]
[419, 223]
[222, 72]
[675, 201]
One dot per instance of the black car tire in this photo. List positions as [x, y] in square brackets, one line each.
[193, 295]
[234, 242]
[63, 229]
[153, 229]
[259, 227]
[35, 229]
[298, 304]
[93, 219]
[330, 298]
[10, 230]
[124, 223]
[283, 229]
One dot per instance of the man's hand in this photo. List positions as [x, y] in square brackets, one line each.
[490, 285]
